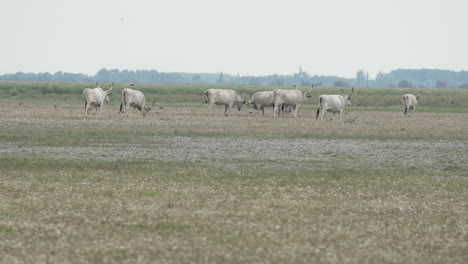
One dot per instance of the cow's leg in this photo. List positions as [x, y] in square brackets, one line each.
[276, 110]
[126, 109]
[323, 109]
[86, 109]
[226, 109]
[263, 110]
[296, 109]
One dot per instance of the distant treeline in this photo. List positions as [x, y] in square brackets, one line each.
[405, 78]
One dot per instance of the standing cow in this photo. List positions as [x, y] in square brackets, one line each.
[410, 101]
[228, 98]
[96, 97]
[333, 103]
[135, 99]
[260, 100]
[289, 98]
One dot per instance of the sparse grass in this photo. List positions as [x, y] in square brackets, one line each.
[128, 211]
[189, 185]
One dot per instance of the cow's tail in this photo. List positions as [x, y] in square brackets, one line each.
[405, 102]
[123, 101]
[320, 106]
[207, 99]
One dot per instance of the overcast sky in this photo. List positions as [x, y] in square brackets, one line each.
[249, 37]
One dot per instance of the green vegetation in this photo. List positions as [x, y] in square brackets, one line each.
[445, 100]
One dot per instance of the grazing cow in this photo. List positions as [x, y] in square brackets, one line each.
[333, 103]
[286, 98]
[135, 99]
[228, 98]
[410, 101]
[260, 100]
[96, 97]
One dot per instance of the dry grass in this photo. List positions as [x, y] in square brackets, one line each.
[188, 185]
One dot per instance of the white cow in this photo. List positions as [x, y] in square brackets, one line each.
[260, 100]
[228, 98]
[410, 101]
[286, 98]
[96, 97]
[334, 103]
[135, 99]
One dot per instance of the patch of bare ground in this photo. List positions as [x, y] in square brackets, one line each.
[193, 133]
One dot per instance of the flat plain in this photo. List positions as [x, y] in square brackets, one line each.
[188, 185]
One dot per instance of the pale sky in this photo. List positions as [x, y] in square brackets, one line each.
[249, 37]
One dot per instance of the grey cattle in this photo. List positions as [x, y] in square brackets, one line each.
[410, 101]
[135, 99]
[96, 97]
[260, 100]
[228, 98]
[333, 103]
[286, 98]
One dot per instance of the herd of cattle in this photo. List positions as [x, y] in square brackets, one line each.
[281, 101]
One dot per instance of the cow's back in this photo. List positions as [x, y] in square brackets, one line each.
[262, 98]
[287, 97]
[94, 95]
[333, 101]
[409, 100]
[220, 96]
[133, 96]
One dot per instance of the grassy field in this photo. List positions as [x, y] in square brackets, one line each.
[454, 100]
[188, 185]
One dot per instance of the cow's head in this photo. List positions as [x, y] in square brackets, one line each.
[417, 96]
[146, 110]
[109, 92]
[250, 104]
[240, 104]
[307, 95]
[348, 97]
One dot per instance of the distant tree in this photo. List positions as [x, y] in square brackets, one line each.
[254, 81]
[361, 78]
[464, 86]
[196, 79]
[405, 84]
[441, 84]
[340, 83]
[103, 75]
[220, 79]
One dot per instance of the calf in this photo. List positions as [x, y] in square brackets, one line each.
[260, 100]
